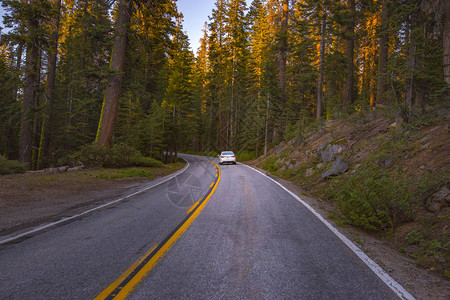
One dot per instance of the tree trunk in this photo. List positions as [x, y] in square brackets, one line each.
[51, 77]
[349, 54]
[10, 149]
[446, 41]
[18, 66]
[383, 56]
[411, 64]
[109, 109]
[320, 79]
[283, 52]
[29, 94]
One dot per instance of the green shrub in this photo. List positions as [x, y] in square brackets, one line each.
[414, 237]
[271, 164]
[11, 166]
[246, 155]
[147, 162]
[90, 156]
[118, 156]
[374, 199]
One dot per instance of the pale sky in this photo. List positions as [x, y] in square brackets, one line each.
[2, 12]
[195, 14]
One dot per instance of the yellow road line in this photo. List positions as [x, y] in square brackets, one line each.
[192, 207]
[125, 274]
[211, 184]
[123, 292]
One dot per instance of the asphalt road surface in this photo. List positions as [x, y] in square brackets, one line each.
[207, 233]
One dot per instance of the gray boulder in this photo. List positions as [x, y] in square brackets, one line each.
[321, 147]
[439, 200]
[329, 151]
[338, 167]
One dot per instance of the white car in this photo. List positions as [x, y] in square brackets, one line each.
[227, 157]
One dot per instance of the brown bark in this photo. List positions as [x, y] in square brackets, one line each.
[320, 79]
[349, 54]
[109, 110]
[18, 65]
[383, 56]
[51, 78]
[283, 52]
[411, 64]
[29, 94]
[9, 149]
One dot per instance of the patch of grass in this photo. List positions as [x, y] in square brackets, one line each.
[125, 173]
[11, 166]
[359, 241]
[61, 181]
[433, 242]
[339, 141]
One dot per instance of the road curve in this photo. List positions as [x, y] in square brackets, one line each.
[252, 240]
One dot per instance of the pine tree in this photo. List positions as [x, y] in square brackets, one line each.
[109, 109]
[383, 51]
[50, 88]
[349, 53]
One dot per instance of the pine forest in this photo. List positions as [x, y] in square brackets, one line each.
[82, 74]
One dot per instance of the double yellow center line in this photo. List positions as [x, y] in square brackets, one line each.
[120, 288]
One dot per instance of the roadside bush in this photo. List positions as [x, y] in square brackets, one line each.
[374, 199]
[147, 162]
[271, 164]
[118, 156]
[246, 155]
[90, 156]
[11, 166]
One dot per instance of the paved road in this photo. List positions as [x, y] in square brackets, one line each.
[250, 239]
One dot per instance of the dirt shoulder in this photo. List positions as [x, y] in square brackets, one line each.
[31, 199]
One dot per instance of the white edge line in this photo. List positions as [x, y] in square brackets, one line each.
[391, 283]
[40, 228]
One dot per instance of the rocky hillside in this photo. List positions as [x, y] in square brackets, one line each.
[380, 173]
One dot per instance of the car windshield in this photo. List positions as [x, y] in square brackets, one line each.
[227, 153]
